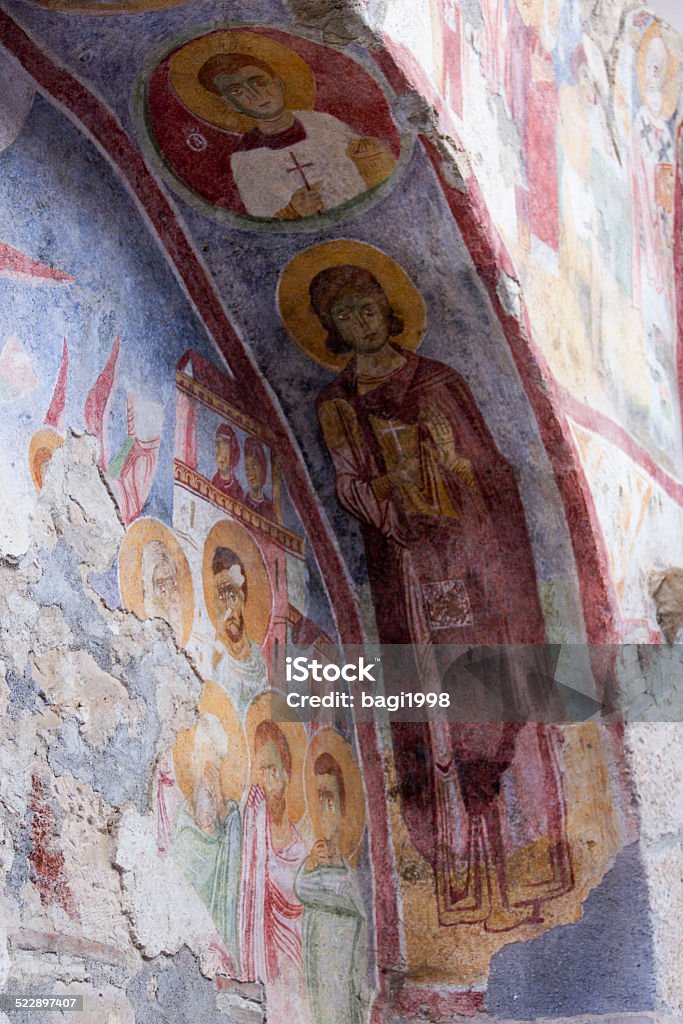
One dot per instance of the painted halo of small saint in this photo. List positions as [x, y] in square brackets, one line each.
[42, 447]
[269, 127]
[154, 577]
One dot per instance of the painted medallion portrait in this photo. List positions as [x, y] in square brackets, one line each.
[270, 128]
[154, 577]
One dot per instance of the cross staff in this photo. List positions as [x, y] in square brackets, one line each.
[394, 431]
[300, 168]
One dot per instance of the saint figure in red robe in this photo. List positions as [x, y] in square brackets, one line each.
[270, 913]
[449, 561]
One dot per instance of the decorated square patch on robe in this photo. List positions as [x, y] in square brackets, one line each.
[448, 604]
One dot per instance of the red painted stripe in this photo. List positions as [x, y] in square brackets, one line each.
[601, 424]
[491, 259]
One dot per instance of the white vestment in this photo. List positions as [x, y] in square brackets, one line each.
[268, 178]
[242, 680]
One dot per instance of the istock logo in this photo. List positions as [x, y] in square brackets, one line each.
[299, 670]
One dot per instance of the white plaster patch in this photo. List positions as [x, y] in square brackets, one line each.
[164, 910]
[74, 684]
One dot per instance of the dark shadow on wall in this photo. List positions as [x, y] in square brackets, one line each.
[602, 964]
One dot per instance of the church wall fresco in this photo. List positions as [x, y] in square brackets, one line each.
[195, 104]
[585, 113]
[321, 407]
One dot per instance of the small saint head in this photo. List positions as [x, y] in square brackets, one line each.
[230, 582]
[255, 467]
[354, 309]
[331, 794]
[656, 70]
[209, 749]
[160, 592]
[247, 83]
[227, 451]
[273, 763]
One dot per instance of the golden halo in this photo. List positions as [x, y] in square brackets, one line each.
[42, 447]
[229, 534]
[234, 767]
[302, 324]
[187, 61]
[328, 741]
[671, 90]
[272, 705]
[138, 535]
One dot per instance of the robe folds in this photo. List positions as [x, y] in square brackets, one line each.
[211, 863]
[450, 561]
[334, 944]
[241, 680]
[270, 914]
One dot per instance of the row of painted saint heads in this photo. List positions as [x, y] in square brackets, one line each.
[268, 834]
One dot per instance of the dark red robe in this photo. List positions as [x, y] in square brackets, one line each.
[450, 561]
[231, 487]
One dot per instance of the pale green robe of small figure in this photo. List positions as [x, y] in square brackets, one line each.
[211, 863]
[241, 680]
[334, 943]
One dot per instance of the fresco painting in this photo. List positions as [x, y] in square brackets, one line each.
[413, 458]
[257, 123]
[497, 833]
[440, 511]
[579, 177]
[268, 832]
[509, 892]
[232, 800]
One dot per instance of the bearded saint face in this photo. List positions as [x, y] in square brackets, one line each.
[272, 778]
[231, 600]
[160, 586]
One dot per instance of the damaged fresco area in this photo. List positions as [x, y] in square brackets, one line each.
[164, 825]
[161, 808]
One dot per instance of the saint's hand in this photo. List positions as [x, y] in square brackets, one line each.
[440, 430]
[307, 201]
[320, 854]
[441, 433]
